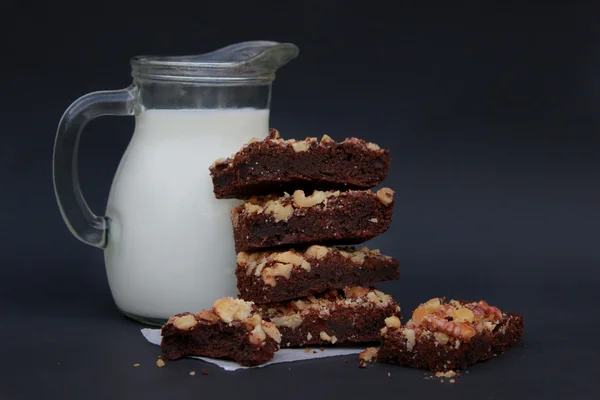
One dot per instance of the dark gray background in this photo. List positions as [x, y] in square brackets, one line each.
[490, 112]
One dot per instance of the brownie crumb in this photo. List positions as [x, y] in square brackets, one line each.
[204, 372]
[307, 350]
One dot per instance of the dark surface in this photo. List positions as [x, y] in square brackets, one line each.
[491, 114]
[429, 355]
[358, 322]
[332, 271]
[216, 339]
[274, 167]
[342, 220]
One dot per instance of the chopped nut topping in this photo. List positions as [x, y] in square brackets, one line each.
[326, 139]
[301, 146]
[409, 334]
[455, 319]
[441, 338]
[257, 336]
[386, 196]
[393, 322]
[373, 146]
[291, 257]
[207, 315]
[324, 336]
[230, 309]
[185, 322]
[288, 321]
[278, 269]
[301, 201]
[316, 251]
[374, 220]
[308, 336]
[279, 211]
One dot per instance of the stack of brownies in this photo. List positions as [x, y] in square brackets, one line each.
[298, 287]
[288, 264]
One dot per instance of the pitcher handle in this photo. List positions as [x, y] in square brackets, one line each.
[82, 222]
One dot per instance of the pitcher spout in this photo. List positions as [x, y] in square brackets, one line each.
[245, 62]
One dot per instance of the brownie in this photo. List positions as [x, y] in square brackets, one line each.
[267, 277]
[447, 336]
[349, 316]
[275, 166]
[233, 329]
[331, 217]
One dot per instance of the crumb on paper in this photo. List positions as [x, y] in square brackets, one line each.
[192, 373]
[307, 350]
[345, 361]
[160, 363]
[204, 372]
[322, 349]
[452, 381]
[136, 364]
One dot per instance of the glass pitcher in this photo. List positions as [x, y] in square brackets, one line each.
[167, 241]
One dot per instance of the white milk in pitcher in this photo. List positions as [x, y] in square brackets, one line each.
[170, 243]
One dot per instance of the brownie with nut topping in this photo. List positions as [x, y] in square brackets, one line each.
[233, 330]
[330, 218]
[273, 165]
[444, 336]
[274, 276]
[353, 315]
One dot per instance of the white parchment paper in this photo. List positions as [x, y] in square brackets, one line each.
[282, 356]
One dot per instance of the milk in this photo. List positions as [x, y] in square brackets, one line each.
[170, 244]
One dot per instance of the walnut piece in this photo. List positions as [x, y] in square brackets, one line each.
[373, 146]
[271, 331]
[324, 336]
[278, 210]
[278, 269]
[291, 257]
[185, 322]
[441, 338]
[230, 309]
[301, 201]
[301, 146]
[288, 321]
[316, 251]
[367, 355]
[160, 363]
[456, 329]
[355, 292]
[386, 196]
[393, 322]
[409, 334]
[463, 314]
[258, 335]
[326, 139]
[208, 315]
[430, 306]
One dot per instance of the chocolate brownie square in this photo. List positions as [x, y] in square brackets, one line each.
[273, 165]
[349, 316]
[233, 329]
[331, 217]
[267, 277]
[447, 336]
